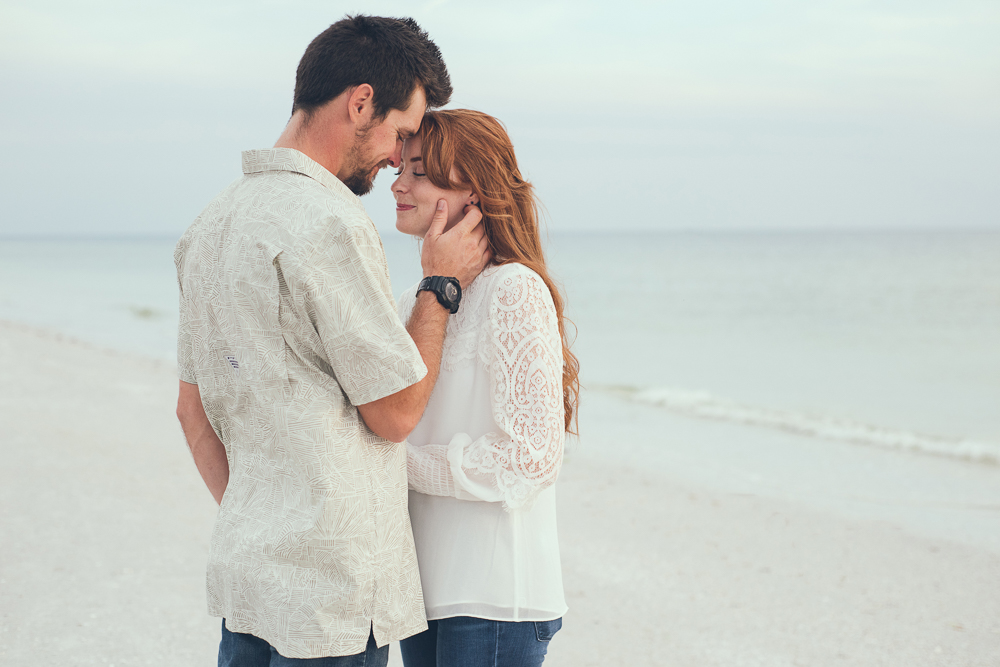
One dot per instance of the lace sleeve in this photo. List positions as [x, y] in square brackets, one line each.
[523, 352]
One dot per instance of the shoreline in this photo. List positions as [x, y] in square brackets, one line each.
[703, 405]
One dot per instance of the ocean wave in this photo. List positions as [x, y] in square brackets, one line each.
[706, 406]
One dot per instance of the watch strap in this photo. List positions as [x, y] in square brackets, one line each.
[447, 290]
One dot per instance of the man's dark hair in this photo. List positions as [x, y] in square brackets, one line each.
[392, 55]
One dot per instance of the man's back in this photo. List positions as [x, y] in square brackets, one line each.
[287, 323]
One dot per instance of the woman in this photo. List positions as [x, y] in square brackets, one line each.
[483, 459]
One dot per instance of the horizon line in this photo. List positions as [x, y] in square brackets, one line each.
[160, 236]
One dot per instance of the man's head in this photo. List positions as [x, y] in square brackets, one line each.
[388, 71]
[394, 56]
[377, 143]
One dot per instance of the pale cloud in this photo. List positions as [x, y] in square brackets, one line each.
[727, 113]
[663, 55]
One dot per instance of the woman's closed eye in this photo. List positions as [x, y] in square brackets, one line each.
[399, 172]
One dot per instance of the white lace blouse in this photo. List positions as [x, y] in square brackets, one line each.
[483, 459]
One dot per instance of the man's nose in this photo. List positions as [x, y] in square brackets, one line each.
[396, 158]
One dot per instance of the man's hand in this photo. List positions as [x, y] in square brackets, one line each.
[462, 252]
[208, 451]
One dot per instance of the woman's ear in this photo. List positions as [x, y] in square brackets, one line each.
[474, 199]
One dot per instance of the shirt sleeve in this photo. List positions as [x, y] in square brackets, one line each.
[344, 289]
[523, 456]
[405, 304]
[185, 357]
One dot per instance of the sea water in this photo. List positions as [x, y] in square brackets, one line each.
[887, 340]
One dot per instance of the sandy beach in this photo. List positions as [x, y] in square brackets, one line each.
[684, 543]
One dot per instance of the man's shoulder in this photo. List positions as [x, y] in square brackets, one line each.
[308, 214]
[202, 224]
[289, 211]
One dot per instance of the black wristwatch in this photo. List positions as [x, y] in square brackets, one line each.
[448, 291]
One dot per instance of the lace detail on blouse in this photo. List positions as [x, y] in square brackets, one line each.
[510, 326]
[466, 328]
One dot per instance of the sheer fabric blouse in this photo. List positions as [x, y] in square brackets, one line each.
[482, 461]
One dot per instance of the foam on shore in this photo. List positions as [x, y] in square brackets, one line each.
[704, 405]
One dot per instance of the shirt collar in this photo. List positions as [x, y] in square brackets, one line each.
[289, 159]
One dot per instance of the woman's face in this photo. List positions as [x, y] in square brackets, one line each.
[417, 198]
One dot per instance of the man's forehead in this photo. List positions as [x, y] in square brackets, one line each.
[414, 114]
[419, 99]
[409, 129]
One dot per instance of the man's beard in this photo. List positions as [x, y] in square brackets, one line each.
[361, 179]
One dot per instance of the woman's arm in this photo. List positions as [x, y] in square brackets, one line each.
[513, 464]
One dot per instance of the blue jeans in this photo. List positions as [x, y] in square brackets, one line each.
[241, 650]
[464, 641]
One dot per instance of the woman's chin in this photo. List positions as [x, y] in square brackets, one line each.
[407, 227]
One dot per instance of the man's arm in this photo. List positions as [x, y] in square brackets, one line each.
[208, 451]
[462, 252]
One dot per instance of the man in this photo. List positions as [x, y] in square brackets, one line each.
[296, 376]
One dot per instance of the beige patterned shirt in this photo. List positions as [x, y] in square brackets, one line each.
[287, 322]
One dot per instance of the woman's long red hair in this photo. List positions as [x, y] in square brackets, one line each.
[478, 147]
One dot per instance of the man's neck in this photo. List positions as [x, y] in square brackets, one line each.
[316, 137]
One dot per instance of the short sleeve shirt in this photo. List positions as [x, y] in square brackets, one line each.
[287, 322]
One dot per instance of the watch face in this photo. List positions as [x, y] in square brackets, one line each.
[450, 292]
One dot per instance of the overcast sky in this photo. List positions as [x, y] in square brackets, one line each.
[127, 117]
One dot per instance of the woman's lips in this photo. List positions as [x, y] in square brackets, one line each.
[404, 207]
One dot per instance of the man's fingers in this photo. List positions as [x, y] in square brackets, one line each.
[471, 219]
[479, 234]
[462, 251]
[487, 254]
[439, 220]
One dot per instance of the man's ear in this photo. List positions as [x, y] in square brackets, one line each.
[359, 104]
